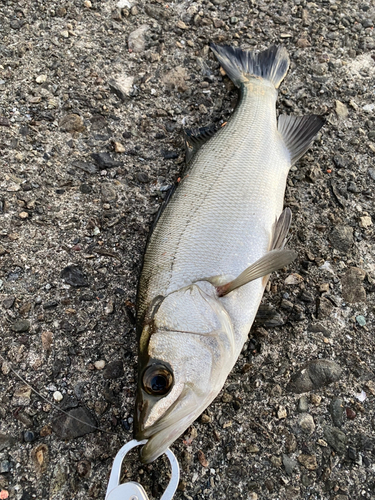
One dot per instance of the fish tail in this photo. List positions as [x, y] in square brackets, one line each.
[240, 65]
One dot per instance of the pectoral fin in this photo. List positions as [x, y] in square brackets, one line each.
[273, 260]
[281, 229]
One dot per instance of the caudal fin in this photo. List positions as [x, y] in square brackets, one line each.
[240, 65]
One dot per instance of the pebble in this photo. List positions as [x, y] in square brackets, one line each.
[281, 413]
[352, 288]
[23, 215]
[371, 173]
[74, 276]
[113, 370]
[41, 78]
[313, 375]
[57, 396]
[108, 193]
[336, 409]
[5, 467]
[325, 307]
[202, 458]
[72, 123]
[67, 427]
[87, 4]
[118, 147]
[315, 399]
[308, 461]
[307, 424]
[99, 365]
[365, 221]
[289, 464]
[21, 325]
[90, 168]
[303, 404]
[341, 110]
[6, 441]
[341, 238]
[335, 438]
[28, 436]
[350, 414]
[83, 468]
[361, 320]
[136, 39]
[122, 86]
[104, 160]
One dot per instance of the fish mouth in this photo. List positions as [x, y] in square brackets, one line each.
[159, 440]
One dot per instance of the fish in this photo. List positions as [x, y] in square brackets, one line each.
[212, 249]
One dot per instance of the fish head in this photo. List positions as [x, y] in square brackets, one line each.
[186, 353]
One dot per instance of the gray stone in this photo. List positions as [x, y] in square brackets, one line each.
[313, 375]
[341, 110]
[4, 467]
[371, 173]
[307, 423]
[303, 404]
[66, 426]
[108, 193]
[21, 325]
[289, 464]
[335, 438]
[136, 40]
[6, 441]
[336, 409]
[341, 238]
[352, 289]
[325, 307]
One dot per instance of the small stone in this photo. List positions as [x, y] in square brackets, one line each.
[85, 188]
[365, 221]
[175, 79]
[202, 459]
[205, 419]
[303, 404]
[180, 24]
[307, 424]
[281, 413]
[108, 193]
[122, 86]
[39, 456]
[113, 370]
[109, 308]
[252, 448]
[118, 147]
[290, 443]
[350, 414]
[308, 461]
[99, 365]
[72, 123]
[341, 238]
[315, 399]
[21, 325]
[325, 307]
[41, 78]
[336, 409]
[293, 279]
[83, 468]
[66, 425]
[335, 438]
[23, 215]
[64, 33]
[57, 396]
[361, 320]
[226, 397]
[74, 276]
[6, 441]
[28, 436]
[104, 160]
[90, 168]
[289, 464]
[313, 375]
[276, 461]
[352, 289]
[87, 4]
[136, 39]
[341, 110]
[371, 173]
[5, 467]
[340, 161]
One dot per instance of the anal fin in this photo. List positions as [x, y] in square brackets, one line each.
[298, 133]
[281, 229]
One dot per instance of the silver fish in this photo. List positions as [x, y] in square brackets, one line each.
[215, 243]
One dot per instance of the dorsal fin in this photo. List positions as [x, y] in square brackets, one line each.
[195, 138]
[298, 133]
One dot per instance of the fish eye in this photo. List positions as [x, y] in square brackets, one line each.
[157, 380]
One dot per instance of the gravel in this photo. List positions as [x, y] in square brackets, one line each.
[94, 96]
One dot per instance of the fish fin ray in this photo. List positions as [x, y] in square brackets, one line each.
[298, 133]
[281, 229]
[240, 65]
[195, 138]
[272, 261]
